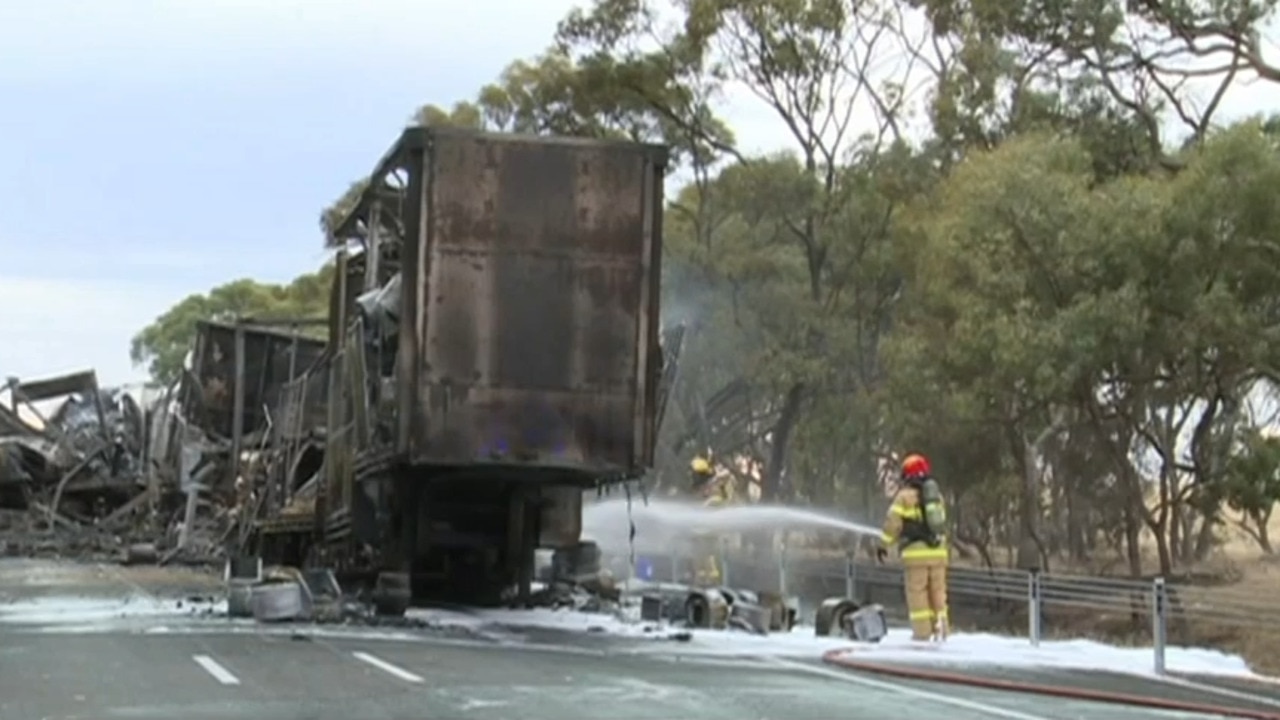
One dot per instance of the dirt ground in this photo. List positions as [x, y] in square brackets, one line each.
[1259, 643]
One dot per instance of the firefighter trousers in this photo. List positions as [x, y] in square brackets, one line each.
[707, 572]
[926, 585]
[706, 562]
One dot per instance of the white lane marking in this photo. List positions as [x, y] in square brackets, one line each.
[387, 667]
[849, 677]
[1222, 691]
[218, 672]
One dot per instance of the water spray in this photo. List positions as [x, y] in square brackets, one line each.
[656, 525]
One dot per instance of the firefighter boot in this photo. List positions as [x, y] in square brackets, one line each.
[938, 602]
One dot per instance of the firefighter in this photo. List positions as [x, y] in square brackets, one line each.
[701, 472]
[706, 546]
[714, 489]
[915, 524]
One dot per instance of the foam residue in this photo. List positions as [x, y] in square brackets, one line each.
[75, 610]
[967, 649]
[660, 523]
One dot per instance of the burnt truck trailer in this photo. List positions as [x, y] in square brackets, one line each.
[494, 352]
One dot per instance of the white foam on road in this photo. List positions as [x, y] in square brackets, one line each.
[218, 672]
[79, 610]
[999, 651]
[543, 618]
[960, 649]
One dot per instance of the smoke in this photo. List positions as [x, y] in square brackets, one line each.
[687, 297]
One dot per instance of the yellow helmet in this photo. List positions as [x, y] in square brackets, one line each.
[701, 466]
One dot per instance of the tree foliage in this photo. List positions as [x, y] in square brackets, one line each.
[980, 240]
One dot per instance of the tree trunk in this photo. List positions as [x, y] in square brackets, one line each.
[771, 486]
[1189, 532]
[1176, 532]
[1132, 538]
[1205, 543]
[1260, 521]
[1162, 547]
[1158, 524]
[1031, 548]
[1074, 527]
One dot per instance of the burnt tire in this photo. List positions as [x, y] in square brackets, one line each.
[391, 594]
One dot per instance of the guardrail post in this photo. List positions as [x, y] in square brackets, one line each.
[723, 547]
[1159, 622]
[782, 566]
[850, 576]
[1033, 606]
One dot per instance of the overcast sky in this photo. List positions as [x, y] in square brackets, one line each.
[154, 148]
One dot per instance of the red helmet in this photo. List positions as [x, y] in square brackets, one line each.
[915, 466]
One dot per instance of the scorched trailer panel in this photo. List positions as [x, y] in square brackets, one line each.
[529, 323]
[272, 358]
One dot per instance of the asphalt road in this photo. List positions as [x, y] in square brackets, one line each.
[165, 667]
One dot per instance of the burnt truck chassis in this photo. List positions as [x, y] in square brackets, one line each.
[493, 354]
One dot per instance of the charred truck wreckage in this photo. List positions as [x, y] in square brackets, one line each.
[109, 472]
[493, 352]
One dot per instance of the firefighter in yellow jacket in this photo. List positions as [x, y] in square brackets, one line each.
[714, 493]
[916, 523]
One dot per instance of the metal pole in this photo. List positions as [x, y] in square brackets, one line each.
[1159, 623]
[373, 248]
[1033, 607]
[782, 566]
[850, 576]
[723, 546]
[148, 424]
[237, 421]
[293, 353]
[237, 404]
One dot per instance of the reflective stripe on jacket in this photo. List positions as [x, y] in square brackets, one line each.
[905, 520]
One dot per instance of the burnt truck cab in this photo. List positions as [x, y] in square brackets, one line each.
[494, 352]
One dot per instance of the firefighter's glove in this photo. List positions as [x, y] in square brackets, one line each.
[881, 555]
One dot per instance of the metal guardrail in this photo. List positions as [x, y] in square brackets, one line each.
[1140, 606]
